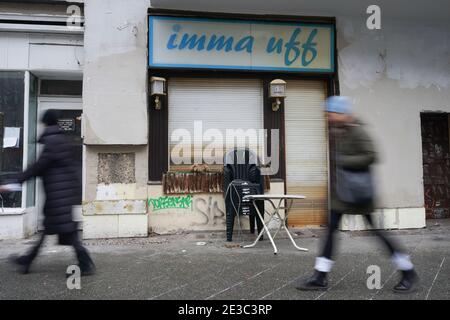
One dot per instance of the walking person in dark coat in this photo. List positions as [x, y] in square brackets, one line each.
[355, 152]
[58, 170]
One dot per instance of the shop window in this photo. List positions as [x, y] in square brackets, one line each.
[11, 128]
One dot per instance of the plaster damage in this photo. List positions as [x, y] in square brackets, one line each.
[393, 75]
[413, 54]
[111, 208]
[116, 168]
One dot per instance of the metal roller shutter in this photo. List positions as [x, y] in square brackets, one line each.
[219, 103]
[306, 151]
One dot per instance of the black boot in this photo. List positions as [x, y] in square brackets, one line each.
[408, 282]
[88, 269]
[22, 263]
[87, 266]
[318, 281]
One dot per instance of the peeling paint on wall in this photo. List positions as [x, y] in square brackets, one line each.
[414, 55]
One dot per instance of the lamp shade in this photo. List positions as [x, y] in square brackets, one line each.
[158, 86]
[277, 88]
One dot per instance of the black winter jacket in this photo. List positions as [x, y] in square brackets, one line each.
[58, 169]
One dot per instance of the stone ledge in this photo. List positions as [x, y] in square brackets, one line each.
[115, 226]
[18, 224]
[115, 207]
[397, 218]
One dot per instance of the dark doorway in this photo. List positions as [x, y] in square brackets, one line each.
[436, 164]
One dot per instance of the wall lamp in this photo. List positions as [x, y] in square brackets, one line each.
[157, 89]
[277, 92]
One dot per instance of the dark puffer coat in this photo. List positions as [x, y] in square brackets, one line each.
[355, 150]
[58, 169]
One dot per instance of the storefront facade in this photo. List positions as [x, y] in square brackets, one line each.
[216, 70]
[225, 92]
[40, 68]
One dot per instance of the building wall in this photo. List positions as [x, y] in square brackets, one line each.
[41, 54]
[115, 118]
[114, 91]
[116, 191]
[393, 74]
[29, 8]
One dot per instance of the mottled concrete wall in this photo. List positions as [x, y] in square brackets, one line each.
[115, 118]
[116, 168]
[392, 75]
[115, 201]
[116, 180]
[115, 71]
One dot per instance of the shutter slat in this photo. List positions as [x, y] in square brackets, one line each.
[306, 151]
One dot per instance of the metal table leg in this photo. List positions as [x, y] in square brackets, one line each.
[276, 211]
[265, 229]
[284, 221]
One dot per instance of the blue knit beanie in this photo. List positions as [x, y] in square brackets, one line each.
[339, 104]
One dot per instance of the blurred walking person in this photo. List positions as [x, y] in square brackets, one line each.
[352, 193]
[59, 172]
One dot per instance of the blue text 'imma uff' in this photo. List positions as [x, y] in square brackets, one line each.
[292, 49]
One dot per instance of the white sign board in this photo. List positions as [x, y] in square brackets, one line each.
[179, 42]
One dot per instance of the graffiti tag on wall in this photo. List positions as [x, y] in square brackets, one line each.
[172, 202]
[210, 210]
[208, 207]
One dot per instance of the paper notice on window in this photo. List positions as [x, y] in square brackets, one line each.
[11, 137]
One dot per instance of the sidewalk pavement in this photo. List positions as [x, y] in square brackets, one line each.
[203, 266]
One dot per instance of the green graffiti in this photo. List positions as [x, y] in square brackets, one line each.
[182, 202]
